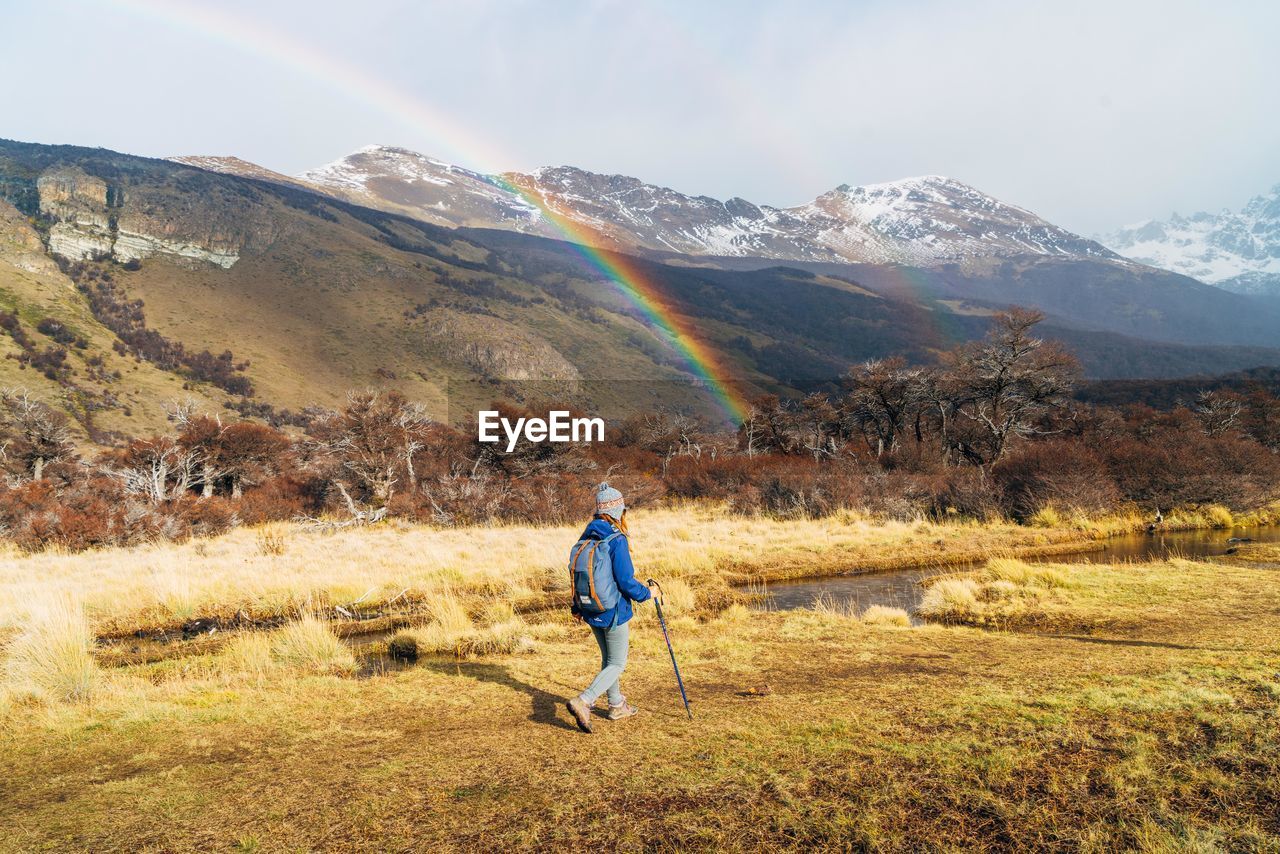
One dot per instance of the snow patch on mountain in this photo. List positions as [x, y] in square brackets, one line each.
[1237, 251]
[440, 192]
[924, 221]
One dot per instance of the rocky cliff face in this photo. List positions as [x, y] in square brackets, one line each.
[93, 219]
[20, 244]
[83, 226]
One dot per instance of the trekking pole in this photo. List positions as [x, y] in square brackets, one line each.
[657, 602]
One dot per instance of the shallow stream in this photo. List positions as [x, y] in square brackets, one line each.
[902, 589]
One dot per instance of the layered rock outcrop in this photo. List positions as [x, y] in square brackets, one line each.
[93, 219]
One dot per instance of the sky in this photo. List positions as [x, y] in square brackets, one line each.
[1092, 114]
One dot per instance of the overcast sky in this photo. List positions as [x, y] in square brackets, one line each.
[1093, 114]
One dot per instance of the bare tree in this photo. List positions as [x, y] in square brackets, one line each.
[1003, 385]
[373, 440]
[37, 434]
[884, 396]
[1218, 412]
[1262, 420]
[817, 426]
[157, 469]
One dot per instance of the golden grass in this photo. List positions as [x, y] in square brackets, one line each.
[309, 645]
[829, 606]
[248, 573]
[883, 615]
[52, 655]
[1002, 593]
[249, 655]
[1134, 519]
[1047, 517]
[450, 630]
[950, 600]
[272, 539]
[811, 729]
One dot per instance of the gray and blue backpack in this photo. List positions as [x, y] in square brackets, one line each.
[590, 563]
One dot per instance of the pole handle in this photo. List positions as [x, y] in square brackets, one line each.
[658, 597]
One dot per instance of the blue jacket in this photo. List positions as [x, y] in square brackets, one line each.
[623, 573]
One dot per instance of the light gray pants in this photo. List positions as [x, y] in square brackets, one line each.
[613, 660]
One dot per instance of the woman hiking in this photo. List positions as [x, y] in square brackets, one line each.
[604, 586]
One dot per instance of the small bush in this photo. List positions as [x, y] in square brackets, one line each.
[270, 540]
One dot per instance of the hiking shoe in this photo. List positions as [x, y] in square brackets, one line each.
[581, 713]
[622, 710]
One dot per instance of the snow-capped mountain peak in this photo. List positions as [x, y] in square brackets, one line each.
[926, 220]
[1239, 251]
[405, 181]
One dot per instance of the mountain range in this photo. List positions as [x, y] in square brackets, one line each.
[918, 221]
[127, 283]
[1235, 250]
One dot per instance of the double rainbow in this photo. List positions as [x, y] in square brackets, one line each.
[461, 144]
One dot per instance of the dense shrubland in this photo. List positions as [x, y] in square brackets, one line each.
[992, 432]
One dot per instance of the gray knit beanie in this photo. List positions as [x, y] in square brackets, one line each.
[609, 501]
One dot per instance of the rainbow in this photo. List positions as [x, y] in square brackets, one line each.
[463, 146]
[674, 328]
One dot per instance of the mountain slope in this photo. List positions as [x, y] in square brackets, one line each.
[313, 296]
[53, 346]
[938, 235]
[1238, 251]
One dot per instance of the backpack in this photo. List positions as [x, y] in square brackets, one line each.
[591, 565]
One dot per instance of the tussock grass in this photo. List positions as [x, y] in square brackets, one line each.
[831, 611]
[1025, 574]
[403, 647]
[309, 645]
[1002, 593]
[249, 655]
[882, 615]
[950, 600]
[678, 598]
[451, 631]
[52, 655]
[1220, 516]
[1047, 517]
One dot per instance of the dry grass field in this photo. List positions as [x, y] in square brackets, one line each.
[1051, 706]
[272, 572]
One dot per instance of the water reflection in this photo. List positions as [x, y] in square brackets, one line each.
[901, 588]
